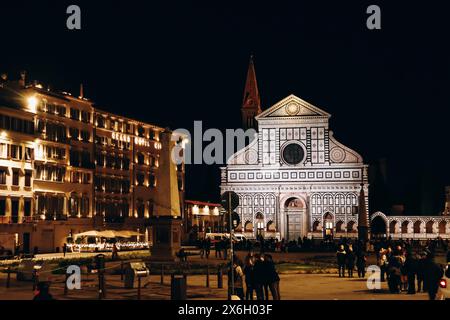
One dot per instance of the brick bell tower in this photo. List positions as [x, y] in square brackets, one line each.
[251, 105]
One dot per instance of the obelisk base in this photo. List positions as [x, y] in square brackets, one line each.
[166, 238]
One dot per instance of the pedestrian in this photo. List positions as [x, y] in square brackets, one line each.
[218, 248]
[350, 261]
[421, 273]
[225, 248]
[249, 276]
[207, 247]
[238, 276]
[43, 292]
[115, 253]
[432, 275]
[394, 271]
[258, 276]
[383, 263]
[340, 255]
[273, 279]
[403, 271]
[202, 248]
[64, 249]
[410, 270]
[361, 258]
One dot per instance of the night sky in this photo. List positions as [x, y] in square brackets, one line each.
[170, 63]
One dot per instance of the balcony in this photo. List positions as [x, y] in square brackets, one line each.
[15, 219]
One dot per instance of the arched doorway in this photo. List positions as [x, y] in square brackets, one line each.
[442, 226]
[271, 229]
[351, 227]
[378, 227]
[417, 226]
[339, 226]
[316, 226]
[429, 227]
[328, 231]
[393, 226]
[294, 210]
[260, 226]
[405, 225]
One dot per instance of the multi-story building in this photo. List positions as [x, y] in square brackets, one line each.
[67, 167]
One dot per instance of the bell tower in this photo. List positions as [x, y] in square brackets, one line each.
[251, 104]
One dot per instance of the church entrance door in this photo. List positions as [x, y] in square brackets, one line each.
[294, 212]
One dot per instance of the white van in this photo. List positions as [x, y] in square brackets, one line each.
[239, 237]
[216, 237]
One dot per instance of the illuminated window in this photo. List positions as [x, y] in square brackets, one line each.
[2, 176]
[15, 180]
[140, 177]
[2, 207]
[74, 114]
[27, 207]
[28, 175]
[140, 158]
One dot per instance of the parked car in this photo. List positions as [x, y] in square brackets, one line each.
[240, 237]
[215, 237]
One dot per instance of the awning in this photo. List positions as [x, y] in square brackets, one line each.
[91, 233]
[127, 234]
[108, 234]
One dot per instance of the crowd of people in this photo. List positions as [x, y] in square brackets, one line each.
[349, 257]
[405, 265]
[260, 244]
[259, 274]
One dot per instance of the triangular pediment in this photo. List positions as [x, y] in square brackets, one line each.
[291, 107]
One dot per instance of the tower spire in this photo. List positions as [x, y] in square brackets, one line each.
[251, 103]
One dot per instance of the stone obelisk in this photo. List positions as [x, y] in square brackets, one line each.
[166, 222]
[363, 223]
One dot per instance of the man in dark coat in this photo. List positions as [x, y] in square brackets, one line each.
[258, 277]
[432, 275]
[361, 258]
[350, 261]
[218, 248]
[420, 274]
[340, 255]
[272, 278]
[410, 269]
[207, 247]
[249, 277]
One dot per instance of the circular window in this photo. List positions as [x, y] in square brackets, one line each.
[293, 153]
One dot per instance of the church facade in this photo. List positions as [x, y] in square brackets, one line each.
[294, 179]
